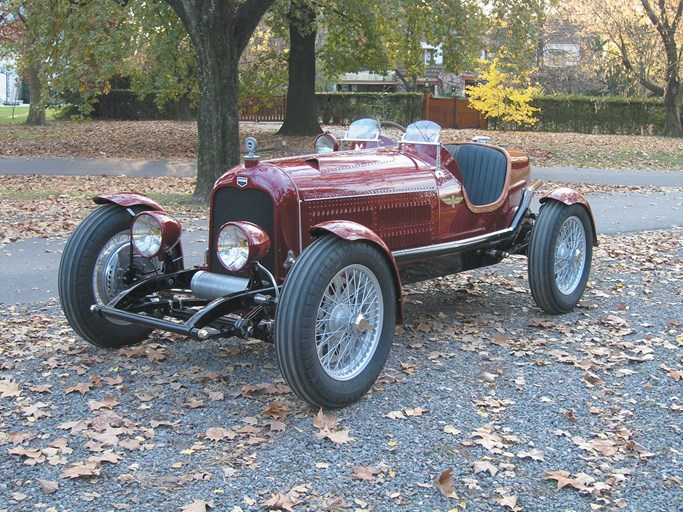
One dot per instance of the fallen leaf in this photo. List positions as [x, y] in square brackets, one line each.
[48, 486]
[562, 478]
[533, 454]
[395, 415]
[198, 506]
[336, 436]
[445, 484]
[365, 473]
[80, 470]
[279, 501]
[483, 466]
[218, 434]
[276, 411]
[9, 388]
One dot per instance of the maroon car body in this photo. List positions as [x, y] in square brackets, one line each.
[311, 252]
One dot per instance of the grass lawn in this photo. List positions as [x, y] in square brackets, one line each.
[18, 114]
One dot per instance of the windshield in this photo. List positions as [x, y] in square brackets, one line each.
[363, 129]
[422, 131]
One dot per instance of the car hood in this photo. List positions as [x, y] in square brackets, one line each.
[349, 172]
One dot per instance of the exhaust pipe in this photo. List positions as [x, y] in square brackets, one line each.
[209, 286]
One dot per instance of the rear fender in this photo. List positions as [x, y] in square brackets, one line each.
[569, 197]
[352, 231]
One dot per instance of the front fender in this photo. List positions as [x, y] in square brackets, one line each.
[352, 231]
[128, 199]
[569, 197]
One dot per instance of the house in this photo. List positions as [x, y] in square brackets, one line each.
[439, 82]
[10, 83]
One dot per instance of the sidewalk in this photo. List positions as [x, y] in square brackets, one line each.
[180, 168]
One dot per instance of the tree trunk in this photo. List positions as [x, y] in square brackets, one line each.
[301, 117]
[672, 107]
[220, 30]
[217, 117]
[36, 110]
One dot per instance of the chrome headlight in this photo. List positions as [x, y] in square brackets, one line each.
[153, 233]
[240, 244]
[326, 143]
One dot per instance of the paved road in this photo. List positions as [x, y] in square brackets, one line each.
[126, 167]
[28, 269]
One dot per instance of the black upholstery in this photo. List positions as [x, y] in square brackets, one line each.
[483, 171]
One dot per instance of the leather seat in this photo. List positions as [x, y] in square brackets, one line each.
[483, 171]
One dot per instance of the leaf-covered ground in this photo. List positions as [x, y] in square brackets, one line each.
[485, 404]
[177, 140]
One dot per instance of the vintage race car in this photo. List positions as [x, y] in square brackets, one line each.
[311, 252]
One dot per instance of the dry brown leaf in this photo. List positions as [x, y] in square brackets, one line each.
[445, 484]
[562, 477]
[509, 502]
[48, 486]
[276, 411]
[366, 473]
[534, 454]
[9, 388]
[198, 506]
[395, 415]
[81, 470]
[336, 436]
[483, 466]
[109, 402]
[279, 501]
[450, 429]
[322, 421]
[416, 411]
[82, 388]
[218, 434]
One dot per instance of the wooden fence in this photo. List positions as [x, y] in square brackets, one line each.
[452, 113]
[446, 112]
[257, 111]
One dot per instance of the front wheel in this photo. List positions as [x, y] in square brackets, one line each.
[96, 265]
[335, 321]
[560, 256]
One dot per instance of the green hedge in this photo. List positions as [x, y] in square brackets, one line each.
[586, 114]
[346, 107]
[125, 104]
[333, 108]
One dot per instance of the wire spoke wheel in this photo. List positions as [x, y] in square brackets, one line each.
[96, 265]
[335, 321]
[570, 255]
[348, 325]
[560, 256]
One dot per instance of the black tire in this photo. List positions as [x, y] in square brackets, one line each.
[560, 255]
[320, 316]
[97, 244]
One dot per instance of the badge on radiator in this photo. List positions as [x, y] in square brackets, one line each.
[242, 182]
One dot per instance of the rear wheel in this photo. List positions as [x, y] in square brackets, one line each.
[560, 256]
[335, 321]
[95, 267]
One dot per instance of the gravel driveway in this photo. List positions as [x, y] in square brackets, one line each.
[485, 404]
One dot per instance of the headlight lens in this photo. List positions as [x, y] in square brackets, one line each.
[153, 233]
[240, 244]
[326, 143]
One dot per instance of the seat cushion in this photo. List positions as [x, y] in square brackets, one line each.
[483, 171]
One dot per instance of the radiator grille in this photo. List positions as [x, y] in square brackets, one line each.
[233, 204]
